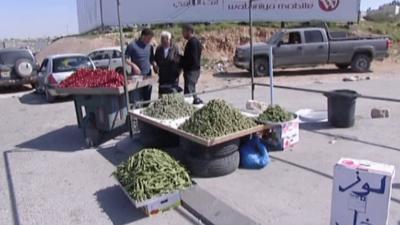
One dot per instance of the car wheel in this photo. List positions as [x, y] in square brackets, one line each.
[217, 167]
[39, 88]
[49, 98]
[342, 66]
[120, 70]
[361, 63]
[261, 67]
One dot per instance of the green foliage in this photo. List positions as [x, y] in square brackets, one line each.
[275, 114]
[170, 107]
[151, 173]
[217, 119]
[391, 29]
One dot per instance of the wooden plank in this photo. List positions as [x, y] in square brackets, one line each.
[132, 85]
[196, 139]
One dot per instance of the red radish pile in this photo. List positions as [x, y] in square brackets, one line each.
[86, 78]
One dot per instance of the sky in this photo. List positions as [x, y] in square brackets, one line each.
[44, 18]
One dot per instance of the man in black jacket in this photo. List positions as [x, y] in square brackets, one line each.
[191, 61]
[167, 58]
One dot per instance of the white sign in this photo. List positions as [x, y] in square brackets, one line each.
[175, 11]
[361, 193]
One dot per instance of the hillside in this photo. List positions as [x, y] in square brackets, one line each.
[220, 40]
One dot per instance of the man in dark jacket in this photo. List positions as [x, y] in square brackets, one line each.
[191, 61]
[167, 58]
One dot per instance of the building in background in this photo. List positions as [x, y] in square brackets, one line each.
[387, 12]
[35, 45]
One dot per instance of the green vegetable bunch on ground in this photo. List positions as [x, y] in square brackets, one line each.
[170, 107]
[275, 114]
[217, 119]
[151, 173]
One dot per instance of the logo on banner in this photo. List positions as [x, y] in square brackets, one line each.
[328, 5]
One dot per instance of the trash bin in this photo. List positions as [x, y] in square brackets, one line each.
[341, 108]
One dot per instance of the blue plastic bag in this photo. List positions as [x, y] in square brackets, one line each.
[254, 154]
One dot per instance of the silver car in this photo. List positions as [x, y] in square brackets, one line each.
[109, 58]
[57, 68]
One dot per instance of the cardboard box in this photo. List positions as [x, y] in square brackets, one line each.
[361, 193]
[283, 136]
[161, 204]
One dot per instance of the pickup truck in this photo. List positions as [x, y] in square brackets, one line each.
[306, 47]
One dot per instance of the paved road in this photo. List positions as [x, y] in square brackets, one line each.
[48, 177]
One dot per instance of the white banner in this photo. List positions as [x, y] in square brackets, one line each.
[175, 11]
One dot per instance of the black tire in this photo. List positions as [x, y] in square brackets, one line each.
[34, 87]
[49, 98]
[154, 137]
[208, 168]
[261, 67]
[204, 152]
[24, 68]
[361, 63]
[342, 66]
[119, 70]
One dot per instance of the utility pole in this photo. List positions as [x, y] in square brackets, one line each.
[101, 15]
[121, 39]
[251, 48]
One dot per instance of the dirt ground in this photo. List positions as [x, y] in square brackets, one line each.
[211, 79]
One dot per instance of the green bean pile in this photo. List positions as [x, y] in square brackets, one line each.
[217, 119]
[151, 173]
[170, 107]
[275, 114]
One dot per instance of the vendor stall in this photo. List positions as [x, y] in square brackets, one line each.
[102, 112]
[209, 136]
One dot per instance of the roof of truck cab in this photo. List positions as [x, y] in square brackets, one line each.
[65, 55]
[14, 50]
[107, 48]
[304, 29]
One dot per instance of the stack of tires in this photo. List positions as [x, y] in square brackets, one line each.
[215, 161]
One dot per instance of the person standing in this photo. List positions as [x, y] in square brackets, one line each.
[140, 56]
[167, 58]
[191, 61]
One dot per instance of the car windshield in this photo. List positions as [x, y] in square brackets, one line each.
[275, 38]
[11, 57]
[68, 64]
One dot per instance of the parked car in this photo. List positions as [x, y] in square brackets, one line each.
[17, 67]
[108, 58]
[57, 68]
[311, 47]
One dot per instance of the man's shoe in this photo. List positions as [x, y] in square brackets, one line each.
[197, 101]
